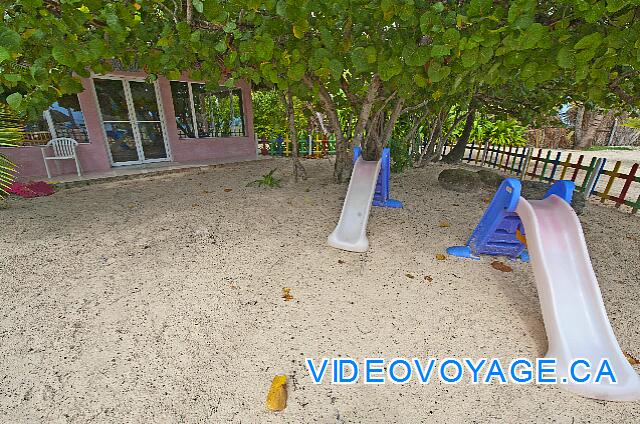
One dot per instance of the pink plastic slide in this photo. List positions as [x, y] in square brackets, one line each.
[351, 232]
[572, 307]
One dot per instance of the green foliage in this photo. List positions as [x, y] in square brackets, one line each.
[516, 59]
[269, 114]
[502, 132]
[267, 180]
[401, 158]
[498, 131]
[11, 134]
[632, 123]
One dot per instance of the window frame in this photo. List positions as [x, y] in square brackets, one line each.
[194, 118]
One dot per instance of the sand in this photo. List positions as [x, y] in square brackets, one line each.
[159, 300]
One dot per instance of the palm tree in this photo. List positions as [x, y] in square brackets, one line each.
[11, 134]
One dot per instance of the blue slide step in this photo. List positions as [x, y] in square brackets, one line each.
[497, 232]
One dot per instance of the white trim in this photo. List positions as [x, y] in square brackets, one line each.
[47, 117]
[131, 110]
[193, 110]
[163, 120]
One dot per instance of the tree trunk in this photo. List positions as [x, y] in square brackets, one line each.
[444, 140]
[436, 132]
[590, 134]
[457, 153]
[379, 131]
[577, 133]
[298, 169]
[344, 156]
[365, 111]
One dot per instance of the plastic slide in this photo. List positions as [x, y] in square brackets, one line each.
[574, 315]
[351, 232]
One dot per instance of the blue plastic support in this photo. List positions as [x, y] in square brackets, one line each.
[496, 233]
[563, 189]
[280, 145]
[381, 196]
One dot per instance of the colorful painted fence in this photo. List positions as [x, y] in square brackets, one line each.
[311, 146]
[615, 182]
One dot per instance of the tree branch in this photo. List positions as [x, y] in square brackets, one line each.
[365, 112]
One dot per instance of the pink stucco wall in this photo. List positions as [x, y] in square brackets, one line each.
[94, 156]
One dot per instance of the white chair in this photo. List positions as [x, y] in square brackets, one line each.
[63, 148]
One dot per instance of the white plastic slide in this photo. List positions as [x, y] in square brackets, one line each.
[574, 314]
[351, 232]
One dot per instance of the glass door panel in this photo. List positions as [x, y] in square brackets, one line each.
[122, 142]
[118, 127]
[144, 101]
[152, 140]
[145, 104]
[111, 98]
[132, 121]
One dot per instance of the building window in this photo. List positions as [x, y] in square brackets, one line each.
[203, 113]
[67, 119]
[63, 119]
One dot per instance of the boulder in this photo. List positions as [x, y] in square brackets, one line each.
[460, 180]
[535, 190]
[490, 179]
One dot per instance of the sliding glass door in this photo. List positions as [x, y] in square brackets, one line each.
[131, 120]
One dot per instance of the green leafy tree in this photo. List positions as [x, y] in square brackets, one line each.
[11, 135]
[366, 63]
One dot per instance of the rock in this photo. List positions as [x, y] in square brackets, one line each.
[465, 181]
[460, 180]
[490, 179]
[536, 190]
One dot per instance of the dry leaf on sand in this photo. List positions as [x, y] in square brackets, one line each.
[444, 224]
[428, 278]
[631, 359]
[409, 275]
[277, 396]
[227, 190]
[286, 294]
[501, 266]
[440, 257]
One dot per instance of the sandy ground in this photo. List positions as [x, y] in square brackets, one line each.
[159, 300]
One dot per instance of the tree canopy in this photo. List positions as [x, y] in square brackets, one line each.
[374, 60]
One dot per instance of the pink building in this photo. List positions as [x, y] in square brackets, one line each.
[121, 120]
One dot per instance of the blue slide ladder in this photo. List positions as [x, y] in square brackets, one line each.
[496, 234]
[381, 196]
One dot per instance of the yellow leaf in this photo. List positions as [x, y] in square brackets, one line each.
[83, 9]
[277, 396]
[27, 33]
[137, 6]
[298, 32]
[443, 224]
[286, 294]
[521, 237]
[631, 359]
[440, 257]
